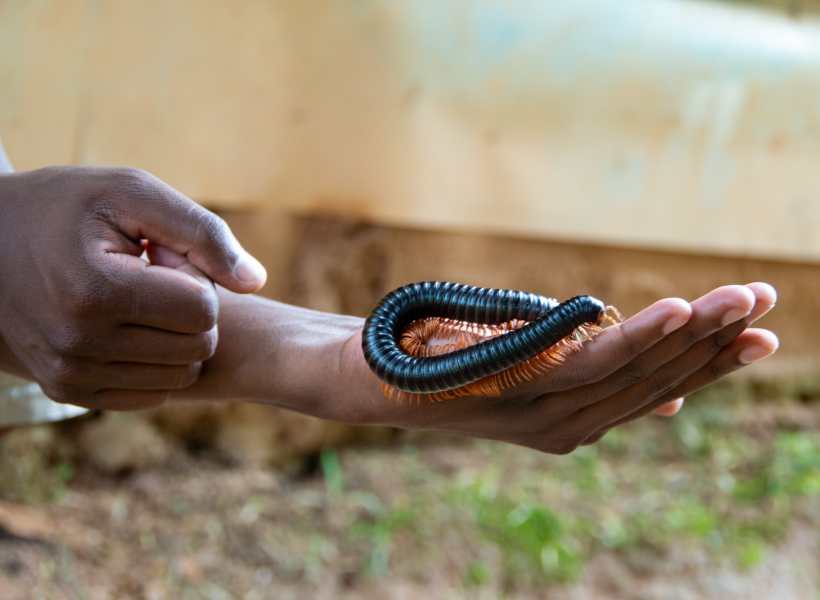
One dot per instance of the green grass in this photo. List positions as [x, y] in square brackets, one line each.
[716, 484]
[696, 483]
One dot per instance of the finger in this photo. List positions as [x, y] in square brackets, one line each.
[750, 346]
[647, 329]
[719, 310]
[82, 377]
[510, 416]
[616, 346]
[669, 409]
[766, 298]
[124, 400]
[136, 376]
[657, 384]
[151, 346]
[165, 257]
[163, 298]
[151, 209]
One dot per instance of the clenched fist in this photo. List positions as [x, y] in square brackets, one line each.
[81, 313]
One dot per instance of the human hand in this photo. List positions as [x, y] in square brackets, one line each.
[666, 351]
[81, 313]
[312, 362]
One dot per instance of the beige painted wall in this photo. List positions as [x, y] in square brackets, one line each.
[655, 123]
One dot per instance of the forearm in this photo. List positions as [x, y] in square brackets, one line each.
[283, 355]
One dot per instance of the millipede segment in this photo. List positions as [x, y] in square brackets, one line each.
[438, 340]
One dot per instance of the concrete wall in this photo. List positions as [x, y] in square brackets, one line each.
[346, 266]
[649, 123]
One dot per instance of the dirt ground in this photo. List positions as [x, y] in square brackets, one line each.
[720, 503]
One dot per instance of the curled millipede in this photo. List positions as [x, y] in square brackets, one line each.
[440, 340]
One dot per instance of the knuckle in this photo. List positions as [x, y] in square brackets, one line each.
[206, 308]
[70, 342]
[206, 345]
[131, 179]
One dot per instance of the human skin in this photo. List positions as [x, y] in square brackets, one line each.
[81, 313]
[311, 362]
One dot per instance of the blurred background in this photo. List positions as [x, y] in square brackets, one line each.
[628, 149]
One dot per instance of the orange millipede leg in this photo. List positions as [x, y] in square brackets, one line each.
[434, 336]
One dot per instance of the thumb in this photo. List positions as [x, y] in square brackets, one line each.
[155, 211]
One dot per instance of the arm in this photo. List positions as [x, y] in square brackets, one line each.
[312, 362]
[285, 355]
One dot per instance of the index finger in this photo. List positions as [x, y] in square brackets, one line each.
[164, 298]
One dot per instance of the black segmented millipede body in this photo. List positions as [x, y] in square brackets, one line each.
[548, 322]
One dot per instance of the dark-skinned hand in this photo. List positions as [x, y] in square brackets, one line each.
[312, 362]
[81, 313]
[647, 363]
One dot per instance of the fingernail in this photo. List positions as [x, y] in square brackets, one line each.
[250, 270]
[670, 408]
[752, 354]
[735, 314]
[674, 323]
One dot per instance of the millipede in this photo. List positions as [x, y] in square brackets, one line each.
[438, 340]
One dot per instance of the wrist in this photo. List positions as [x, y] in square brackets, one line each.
[278, 354]
[309, 366]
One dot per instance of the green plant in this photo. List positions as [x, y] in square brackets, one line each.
[332, 471]
[532, 538]
[378, 530]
